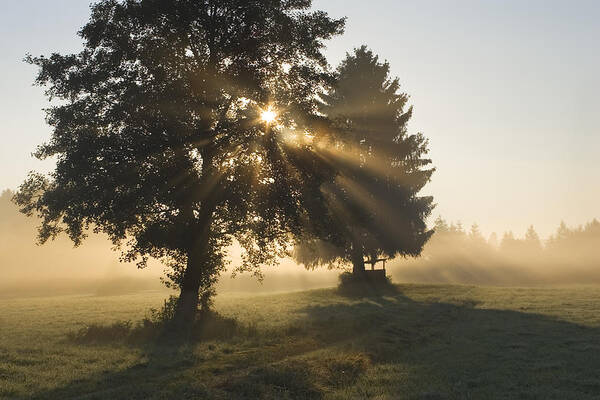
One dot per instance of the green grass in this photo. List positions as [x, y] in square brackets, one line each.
[426, 342]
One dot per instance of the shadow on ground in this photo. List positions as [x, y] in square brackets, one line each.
[388, 347]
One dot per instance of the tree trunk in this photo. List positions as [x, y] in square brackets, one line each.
[187, 304]
[196, 272]
[358, 261]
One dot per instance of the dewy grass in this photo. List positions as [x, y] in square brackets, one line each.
[424, 341]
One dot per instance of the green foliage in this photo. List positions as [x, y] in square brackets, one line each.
[158, 139]
[373, 207]
[165, 314]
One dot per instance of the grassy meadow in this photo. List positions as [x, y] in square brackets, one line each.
[425, 342]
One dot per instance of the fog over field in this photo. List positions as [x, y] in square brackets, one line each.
[299, 199]
[59, 267]
[455, 254]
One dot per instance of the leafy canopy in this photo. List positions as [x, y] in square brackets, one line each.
[157, 132]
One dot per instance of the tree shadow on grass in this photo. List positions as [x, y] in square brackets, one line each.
[374, 347]
[456, 350]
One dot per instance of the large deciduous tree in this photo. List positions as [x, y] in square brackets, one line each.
[374, 209]
[158, 139]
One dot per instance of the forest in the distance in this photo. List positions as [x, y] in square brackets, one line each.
[458, 255]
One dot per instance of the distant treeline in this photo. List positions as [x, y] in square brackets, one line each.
[455, 254]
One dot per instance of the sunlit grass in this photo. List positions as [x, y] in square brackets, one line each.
[427, 341]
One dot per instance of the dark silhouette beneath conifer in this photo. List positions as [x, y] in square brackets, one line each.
[158, 136]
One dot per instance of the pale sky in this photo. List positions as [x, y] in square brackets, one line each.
[507, 91]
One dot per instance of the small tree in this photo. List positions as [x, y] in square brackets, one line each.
[509, 244]
[373, 206]
[532, 242]
[159, 140]
[475, 234]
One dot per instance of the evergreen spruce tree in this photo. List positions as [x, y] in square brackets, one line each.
[374, 209]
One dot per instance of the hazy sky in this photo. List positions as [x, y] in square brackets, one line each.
[507, 91]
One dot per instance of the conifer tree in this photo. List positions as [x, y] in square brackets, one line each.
[374, 207]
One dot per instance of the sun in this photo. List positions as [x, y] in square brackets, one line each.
[268, 115]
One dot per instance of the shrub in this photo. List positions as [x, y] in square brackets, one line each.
[165, 314]
[96, 333]
[158, 324]
[358, 285]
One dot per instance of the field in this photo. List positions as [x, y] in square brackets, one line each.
[426, 342]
